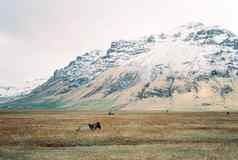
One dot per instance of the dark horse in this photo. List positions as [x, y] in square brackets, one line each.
[110, 113]
[94, 126]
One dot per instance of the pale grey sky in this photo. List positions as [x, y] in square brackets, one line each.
[39, 36]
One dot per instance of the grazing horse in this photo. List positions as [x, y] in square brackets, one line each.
[110, 113]
[95, 126]
[227, 113]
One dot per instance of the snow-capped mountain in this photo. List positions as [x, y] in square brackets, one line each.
[21, 89]
[192, 65]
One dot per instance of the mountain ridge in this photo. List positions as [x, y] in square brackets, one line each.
[193, 61]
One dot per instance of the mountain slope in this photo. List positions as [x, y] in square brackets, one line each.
[193, 67]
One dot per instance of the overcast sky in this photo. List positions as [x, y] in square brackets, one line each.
[39, 36]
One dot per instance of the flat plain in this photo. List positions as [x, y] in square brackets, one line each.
[64, 135]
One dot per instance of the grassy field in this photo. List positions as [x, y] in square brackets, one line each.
[53, 135]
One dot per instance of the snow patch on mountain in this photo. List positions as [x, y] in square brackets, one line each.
[183, 58]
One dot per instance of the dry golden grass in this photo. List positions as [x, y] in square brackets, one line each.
[43, 135]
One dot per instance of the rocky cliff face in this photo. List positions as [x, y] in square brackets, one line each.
[193, 65]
